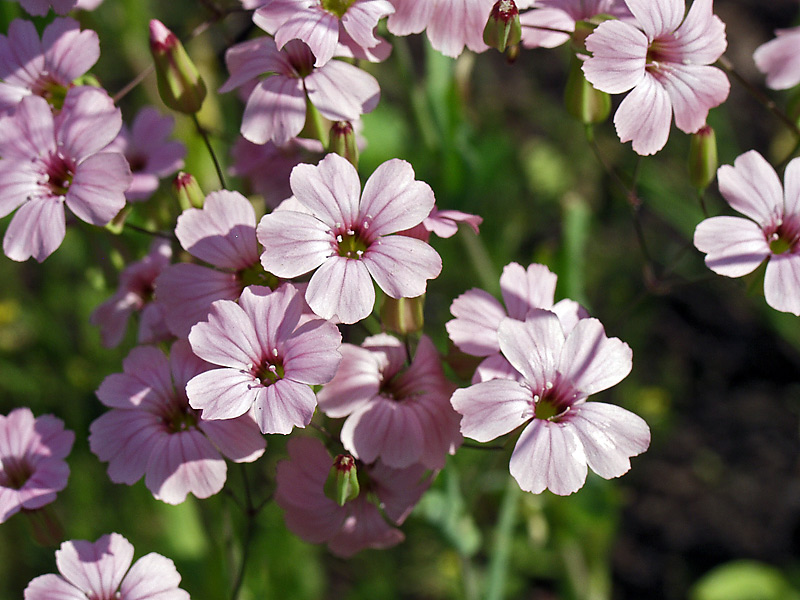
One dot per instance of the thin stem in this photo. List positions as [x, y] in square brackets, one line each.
[480, 447]
[161, 234]
[250, 514]
[759, 96]
[553, 29]
[133, 83]
[498, 564]
[204, 134]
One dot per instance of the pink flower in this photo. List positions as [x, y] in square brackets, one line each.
[450, 24]
[665, 61]
[276, 108]
[444, 223]
[43, 67]
[135, 294]
[150, 156]
[358, 524]
[51, 161]
[32, 465]
[100, 571]
[267, 166]
[152, 431]
[478, 315]
[267, 361]
[346, 239]
[324, 24]
[40, 8]
[222, 234]
[565, 433]
[563, 14]
[735, 246]
[399, 415]
[779, 59]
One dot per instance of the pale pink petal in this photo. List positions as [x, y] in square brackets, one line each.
[523, 289]
[342, 92]
[348, 48]
[123, 439]
[478, 315]
[782, 282]
[492, 408]
[657, 18]
[364, 528]
[693, 90]
[88, 122]
[294, 243]
[69, 52]
[780, 60]
[569, 313]
[97, 568]
[734, 246]
[228, 338]
[184, 462]
[644, 117]
[49, 477]
[239, 439]
[187, 292]
[549, 455]
[592, 362]
[496, 366]
[341, 288]
[410, 16]
[401, 265]
[21, 54]
[791, 182]
[146, 380]
[311, 356]
[458, 23]
[619, 52]
[537, 23]
[533, 346]
[444, 223]
[222, 233]
[249, 60]
[357, 380]
[275, 111]
[384, 429]
[752, 187]
[97, 192]
[223, 393]
[361, 19]
[283, 406]
[701, 35]
[399, 490]
[393, 200]
[36, 230]
[330, 190]
[610, 436]
[319, 29]
[274, 315]
[29, 132]
[52, 587]
[152, 577]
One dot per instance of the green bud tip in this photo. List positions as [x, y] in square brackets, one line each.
[179, 82]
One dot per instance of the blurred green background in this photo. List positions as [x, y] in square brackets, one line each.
[711, 511]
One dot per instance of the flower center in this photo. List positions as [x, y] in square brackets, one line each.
[179, 416]
[256, 275]
[337, 7]
[51, 90]
[551, 405]
[784, 236]
[15, 472]
[270, 371]
[351, 244]
[59, 174]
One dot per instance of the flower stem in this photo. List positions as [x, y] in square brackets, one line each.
[498, 563]
[249, 528]
[204, 134]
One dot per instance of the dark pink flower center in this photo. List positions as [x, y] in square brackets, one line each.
[50, 89]
[15, 472]
[271, 370]
[179, 416]
[301, 59]
[660, 52]
[353, 241]
[137, 162]
[59, 171]
[553, 403]
[784, 235]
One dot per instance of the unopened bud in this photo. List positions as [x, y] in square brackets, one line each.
[403, 315]
[342, 484]
[179, 83]
[343, 141]
[703, 161]
[188, 191]
[503, 28]
[583, 101]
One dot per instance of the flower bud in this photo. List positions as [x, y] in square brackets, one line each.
[583, 101]
[503, 28]
[188, 191]
[703, 158]
[179, 83]
[343, 141]
[403, 315]
[342, 484]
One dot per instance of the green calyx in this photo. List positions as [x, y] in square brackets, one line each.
[337, 7]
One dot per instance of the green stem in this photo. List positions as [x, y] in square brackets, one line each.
[250, 513]
[498, 563]
[204, 135]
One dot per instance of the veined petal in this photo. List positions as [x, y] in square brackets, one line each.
[644, 117]
[734, 246]
[401, 265]
[782, 283]
[97, 192]
[492, 408]
[533, 346]
[524, 289]
[657, 18]
[283, 406]
[342, 288]
[275, 111]
[701, 36]
[780, 60]
[693, 90]
[330, 190]
[294, 243]
[410, 16]
[393, 200]
[228, 338]
[223, 393]
[619, 53]
[592, 362]
[477, 317]
[152, 577]
[752, 187]
[36, 230]
[251, 59]
[95, 568]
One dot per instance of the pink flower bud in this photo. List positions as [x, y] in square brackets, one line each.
[403, 315]
[188, 191]
[503, 28]
[179, 83]
[343, 141]
[342, 485]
